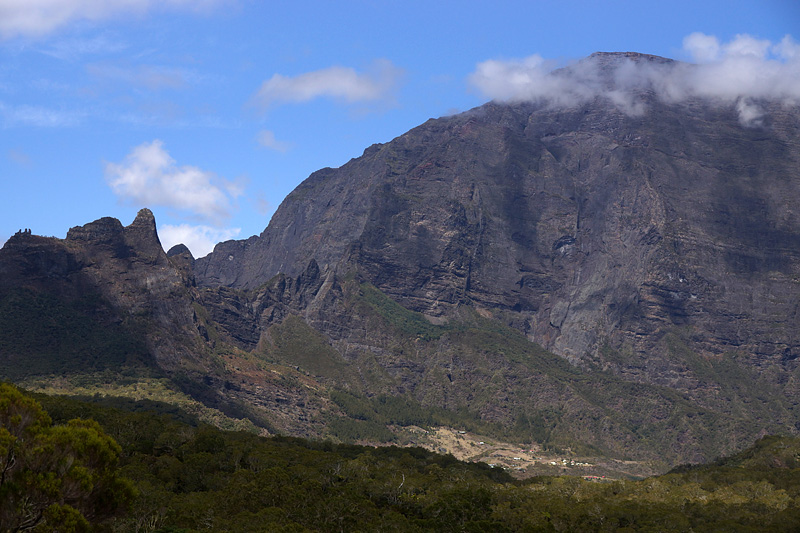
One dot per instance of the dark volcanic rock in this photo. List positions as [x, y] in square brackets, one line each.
[182, 258]
[179, 249]
[583, 227]
[125, 268]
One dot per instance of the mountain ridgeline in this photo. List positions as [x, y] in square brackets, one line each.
[583, 277]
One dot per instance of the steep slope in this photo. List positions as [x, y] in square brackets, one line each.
[610, 238]
[657, 244]
[321, 355]
[104, 282]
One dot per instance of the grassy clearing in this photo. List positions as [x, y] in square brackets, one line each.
[104, 385]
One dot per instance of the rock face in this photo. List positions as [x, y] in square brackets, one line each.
[122, 270]
[585, 227]
[108, 300]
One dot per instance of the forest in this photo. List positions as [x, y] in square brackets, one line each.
[116, 465]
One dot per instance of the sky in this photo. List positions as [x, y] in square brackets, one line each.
[209, 112]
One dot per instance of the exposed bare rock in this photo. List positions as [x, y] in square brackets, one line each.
[582, 227]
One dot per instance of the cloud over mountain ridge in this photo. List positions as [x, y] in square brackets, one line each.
[739, 72]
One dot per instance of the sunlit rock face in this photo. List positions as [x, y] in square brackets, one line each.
[602, 224]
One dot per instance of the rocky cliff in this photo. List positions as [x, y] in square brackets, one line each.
[113, 276]
[585, 227]
[658, 243]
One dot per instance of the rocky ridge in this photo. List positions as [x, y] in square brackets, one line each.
[583, 227]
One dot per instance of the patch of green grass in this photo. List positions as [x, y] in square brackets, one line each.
[295, 343]
[403, 320]
[110, 388]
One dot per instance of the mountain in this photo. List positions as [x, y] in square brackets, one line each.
[615, 278]
[588, 225]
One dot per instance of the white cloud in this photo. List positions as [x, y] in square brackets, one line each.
[340, 83]
[149, 176]
[517, 79]
[35, 18]
[701, 47]
[746, 45]
[737, 73]
[749, 113]
[267, 139]
[787, 49]
[199, 239]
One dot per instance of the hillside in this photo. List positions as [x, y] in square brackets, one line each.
[190, 476]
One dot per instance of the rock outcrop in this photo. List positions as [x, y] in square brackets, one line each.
[123, 268]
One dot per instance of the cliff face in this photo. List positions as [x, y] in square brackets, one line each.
[107, 306]
[660, 248]
[113, 277]
[586, 228]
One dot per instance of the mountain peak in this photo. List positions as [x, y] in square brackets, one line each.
[142, 235]
[144, 219]
[616, 57]
[102, 230]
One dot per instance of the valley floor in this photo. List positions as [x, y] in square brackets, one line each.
[523, 461]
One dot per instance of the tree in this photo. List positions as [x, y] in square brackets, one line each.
[54, 478]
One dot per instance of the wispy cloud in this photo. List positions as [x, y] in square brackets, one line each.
[267, 139]
[71, 49]
[149, 176]
[38, 116]
[199, 239]
[36, 18]
[340, 83]
[263, 205]
[737, 73]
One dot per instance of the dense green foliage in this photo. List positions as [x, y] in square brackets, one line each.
[193, 477]
[402, 319]
[54, 478]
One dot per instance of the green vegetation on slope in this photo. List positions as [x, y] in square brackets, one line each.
[296, 343]
[478, 365]
[55, 477]
[198, 478]
[472, 373]
[403, 320]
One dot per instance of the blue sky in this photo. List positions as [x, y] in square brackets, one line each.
[210, 112]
